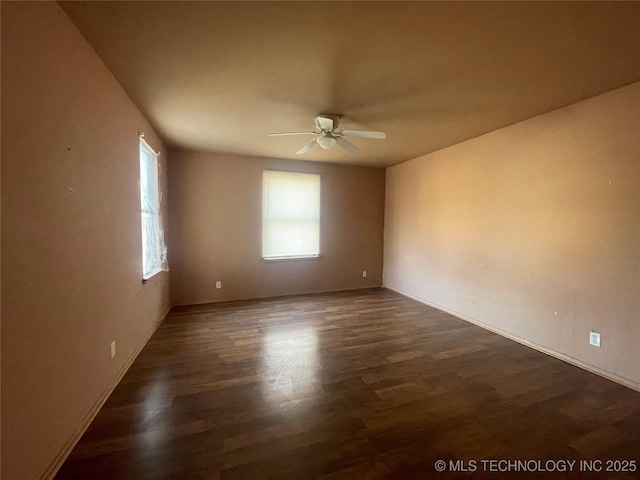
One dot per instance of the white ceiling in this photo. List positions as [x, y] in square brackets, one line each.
[219, 76]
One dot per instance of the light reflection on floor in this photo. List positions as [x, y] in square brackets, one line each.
[291, 367]
[155, 402]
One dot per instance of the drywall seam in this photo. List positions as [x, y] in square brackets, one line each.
[50, 473]
[552, 353]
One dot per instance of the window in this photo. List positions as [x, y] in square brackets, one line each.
[290, 215]
[154, 252]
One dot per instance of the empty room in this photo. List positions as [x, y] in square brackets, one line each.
[304, 240]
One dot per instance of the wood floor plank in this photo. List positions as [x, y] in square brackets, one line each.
[354, 385]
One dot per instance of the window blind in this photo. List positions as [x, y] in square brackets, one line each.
[291, 215]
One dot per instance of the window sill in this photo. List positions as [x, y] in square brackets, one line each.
[151, 274]
[290, 258]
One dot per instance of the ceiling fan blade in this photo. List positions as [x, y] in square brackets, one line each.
[306, 148]
[291, 133]
[347, 145]
[324, 123]
[364, 134]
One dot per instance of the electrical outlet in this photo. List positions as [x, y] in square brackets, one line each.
[218, 284]
[364, 274]
[594, 339]
[113, 349]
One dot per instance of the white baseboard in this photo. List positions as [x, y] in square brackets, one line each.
[93, 411]
[553, 353]
[280, 295]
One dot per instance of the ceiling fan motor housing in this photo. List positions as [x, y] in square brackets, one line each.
[327, 122]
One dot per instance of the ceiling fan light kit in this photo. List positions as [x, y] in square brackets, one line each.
[326, 141]
[328, 135]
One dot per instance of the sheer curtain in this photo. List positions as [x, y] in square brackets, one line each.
[154, 250]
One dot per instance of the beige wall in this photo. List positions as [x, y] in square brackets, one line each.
[71, 263]
[533, 230]
[216, 212]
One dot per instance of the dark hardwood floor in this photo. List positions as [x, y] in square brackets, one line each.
[353, 385]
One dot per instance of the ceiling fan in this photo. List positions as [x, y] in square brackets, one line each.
[328, 135]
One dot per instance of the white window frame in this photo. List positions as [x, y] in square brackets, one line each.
[150, 218]
[266, 219]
